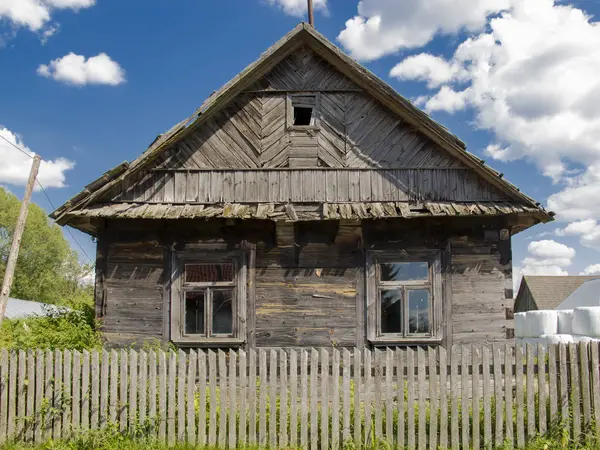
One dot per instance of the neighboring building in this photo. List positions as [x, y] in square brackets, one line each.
[306, 203]
[546, 292]
[588, 294]
[21, 309]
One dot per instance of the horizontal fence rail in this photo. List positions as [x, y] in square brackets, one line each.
[422, 398]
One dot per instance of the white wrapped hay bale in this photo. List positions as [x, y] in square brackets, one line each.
[577, 339]
[565, 321]
[524, 342]
[538, 323]
[520, 325]
[586, 321]
[552, 339]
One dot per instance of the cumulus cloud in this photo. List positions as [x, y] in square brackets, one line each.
[77, 70]
[425, 67]
[594, 269]
[382, 27]
[298, 8]
[15, 165]
[36, 15]
[545, 257]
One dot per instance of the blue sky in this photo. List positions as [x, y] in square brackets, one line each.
[474, 69]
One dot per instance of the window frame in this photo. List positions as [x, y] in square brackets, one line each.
[179, 288]
[375, 287]
[299, 99]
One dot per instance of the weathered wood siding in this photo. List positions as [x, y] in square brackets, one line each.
[255, 186]
[481, 288]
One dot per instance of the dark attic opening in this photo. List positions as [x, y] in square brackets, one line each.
[303, 115]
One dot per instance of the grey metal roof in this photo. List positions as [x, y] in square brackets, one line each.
[588, 294]
[20, 309]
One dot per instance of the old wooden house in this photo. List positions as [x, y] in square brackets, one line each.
[305, 203]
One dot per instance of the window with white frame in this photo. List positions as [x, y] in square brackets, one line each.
[402, 291]
[207, 299]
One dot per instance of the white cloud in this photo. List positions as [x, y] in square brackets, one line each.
[424, 67]
[77, 70]
[579, 198]
[386, 26]
[15, 165]
[298, 8]
[594, 269]
[578, 228]
[545, 257]
[36, 15]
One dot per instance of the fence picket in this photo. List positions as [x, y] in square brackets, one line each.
[222, 431]
[553, 388]
[487, 407]
[476, 388]
[171, 398]
[400, 438]
[529, 381]
[85, 390]
[58, 395]
[201, 398]
[314, 424]
[104, 385]
[181, 405]
[262, 401]
[243, 395]
[464, 400]
[133, 387]
[498, 400]
[368, 389]
[443, 398]
[410, 404]
[232, 399]
[252, 400]
[584, 368]
[12, 394]
[433, 398]
[283, 400]
[508, 392]
[30, 386]
[324, 398]
[422, 415]
[191, 398]
[39, 395]
[542, 389]
[152, 393]
[114, 387]
[21, 399]
[76, 392]
[4, 382]
[564, 391]
[595, 383]
[346, 395]
[575, 390]
[212, 421]
[378, 397]
[95, 390]
[162, 396]
[389, 396]
[273, 398]
[143, 388]
[454, 382]
[67, 406]
[519, 395]
[304, 399]
[293, 398]
[335, 400]
[357, 398]
[122, 390]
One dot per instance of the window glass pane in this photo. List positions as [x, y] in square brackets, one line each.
[208, 273]
[404, 271]
[418, 311]
[194, 312]
[391, 311]
[222, 311]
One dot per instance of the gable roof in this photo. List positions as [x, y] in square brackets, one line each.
[303, 34]
[548, 292]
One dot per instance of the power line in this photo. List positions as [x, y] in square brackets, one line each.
[17, 147]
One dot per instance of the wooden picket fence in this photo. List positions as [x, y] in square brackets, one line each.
[469, 397]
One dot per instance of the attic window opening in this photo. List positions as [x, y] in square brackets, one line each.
[303, 115]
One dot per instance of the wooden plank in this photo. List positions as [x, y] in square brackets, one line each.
[85, 389]
[262, 400]
[162, 396]
[476, 388]
[530, 387]
[232, 410]
[181, 406]
[433, 398]
[335, 399]
[498, 388]
[346, 356]
[172, 398]
[243, 384]
[272, 419]
[4, 382]
[133, 388]
[201, 441]
[357, 398]
[293, 398]
[283, 399]
[410, 407]
[564, 382]
[314, 424]
[113, 405]
[378, 388]
[541, 382]
[191, 398]
[122, 390]
[12, 394]
[252, 400]
[454, 382]
[212, 381]
[94, 390]
[422, 438]
[39, 393]
[68, 385]
[552, 383]
[142, 388]
[465, 407]
[368, 389]
[324, 398]
[575, 390]
[487, 408]
[443, 398]
[222, 432]
[58, 394]
[389, 396]
[152, 392]
[304, 398]
[100, 380]
[595, 360]
[519, 401]
[21, 394]
[584, 367]
[401, 429]
[508, 393]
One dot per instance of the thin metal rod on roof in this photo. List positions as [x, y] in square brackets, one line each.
[311, 14]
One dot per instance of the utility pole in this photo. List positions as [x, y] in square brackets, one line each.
[16, 243]
[311, 13]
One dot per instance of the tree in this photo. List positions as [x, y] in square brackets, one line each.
[48, 269]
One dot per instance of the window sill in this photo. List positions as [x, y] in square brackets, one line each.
[383, 341]
[312, 128]
[209, 342]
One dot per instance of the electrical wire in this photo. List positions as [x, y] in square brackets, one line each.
[17, 147]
